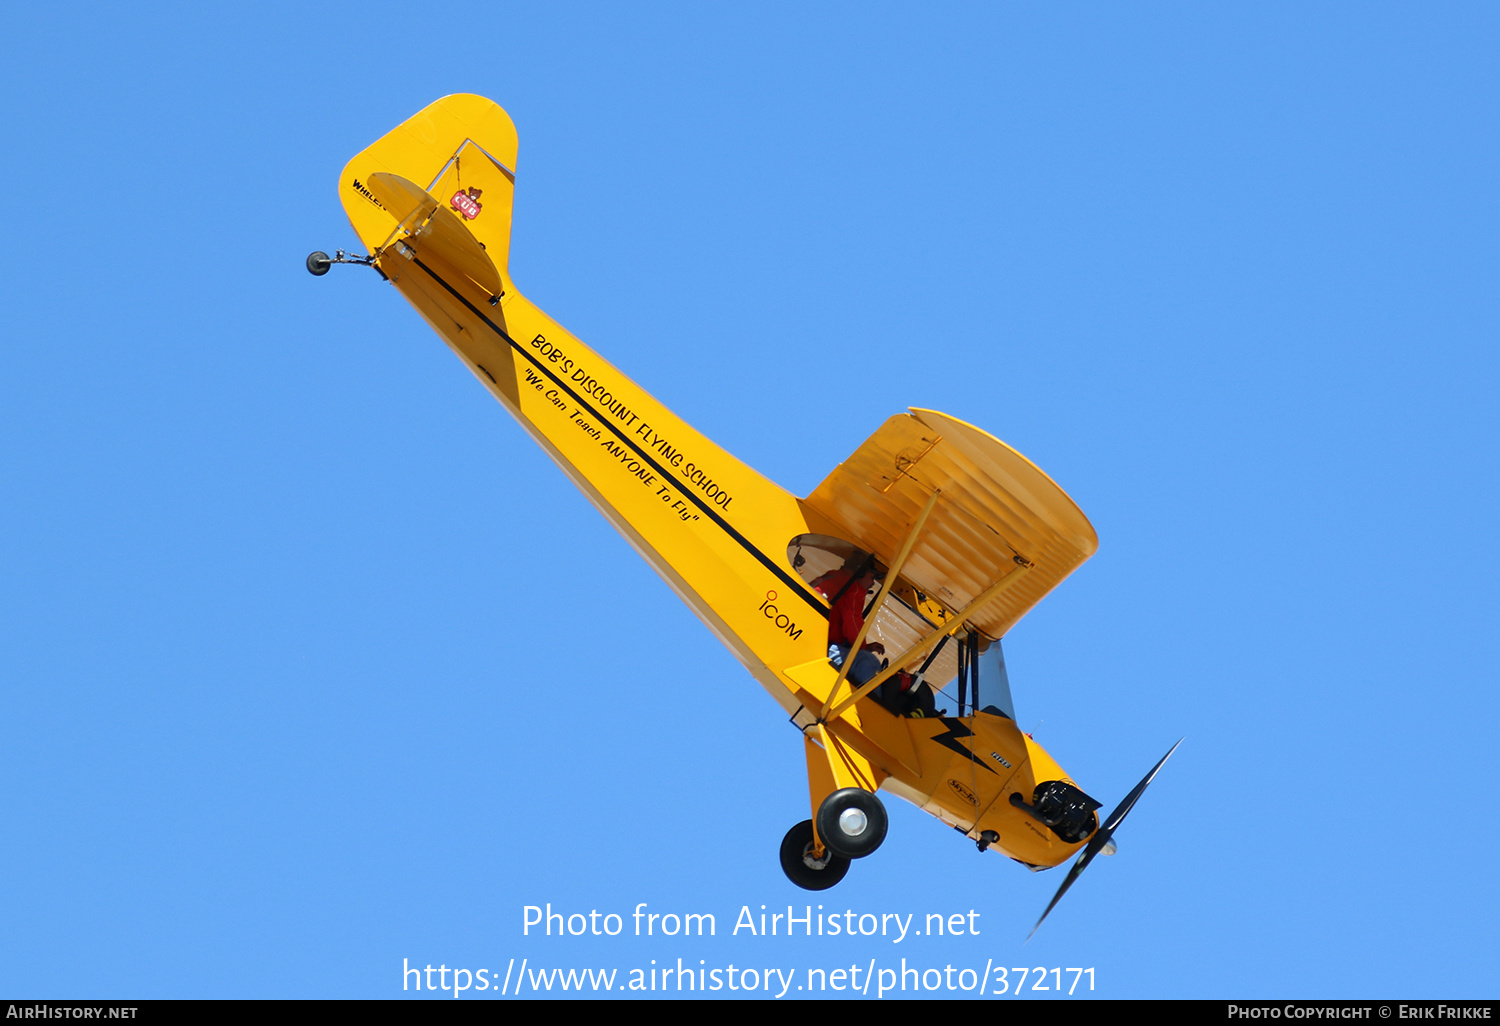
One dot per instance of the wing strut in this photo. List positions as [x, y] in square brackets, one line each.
[885, 589]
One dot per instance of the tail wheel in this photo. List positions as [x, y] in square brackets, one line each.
[852, 822]
[802, 868]
[318, 262]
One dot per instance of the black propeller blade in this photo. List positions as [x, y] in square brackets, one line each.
[1101, 837]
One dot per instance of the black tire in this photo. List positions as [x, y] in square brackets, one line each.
[833, 825]
[318, 262]
[800, 868]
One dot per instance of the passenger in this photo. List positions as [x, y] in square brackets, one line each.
[906, 694]
[846, 590]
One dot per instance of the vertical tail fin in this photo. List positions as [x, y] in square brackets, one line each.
[461, 150]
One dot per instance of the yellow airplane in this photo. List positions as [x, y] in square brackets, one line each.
[916, 555]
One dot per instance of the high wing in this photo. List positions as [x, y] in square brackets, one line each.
[997, 511]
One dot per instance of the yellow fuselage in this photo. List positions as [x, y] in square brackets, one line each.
[714, 529]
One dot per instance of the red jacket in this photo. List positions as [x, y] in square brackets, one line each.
[848, 614]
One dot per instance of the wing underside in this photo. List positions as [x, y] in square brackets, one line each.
[997, 513]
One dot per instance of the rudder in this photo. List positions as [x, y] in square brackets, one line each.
[462, 150]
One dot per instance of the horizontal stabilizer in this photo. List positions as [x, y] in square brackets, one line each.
[432, 231]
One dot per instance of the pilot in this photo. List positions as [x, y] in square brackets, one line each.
[846, 590]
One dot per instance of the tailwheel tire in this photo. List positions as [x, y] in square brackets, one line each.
[318, 262]
[801, 868]
[852, 822]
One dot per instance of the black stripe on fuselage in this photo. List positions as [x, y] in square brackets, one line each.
[686, 489]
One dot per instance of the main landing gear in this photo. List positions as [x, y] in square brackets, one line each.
[851, 823]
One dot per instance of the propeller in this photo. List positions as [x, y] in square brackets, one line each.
[1102, 837]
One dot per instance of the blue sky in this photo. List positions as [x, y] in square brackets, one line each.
[310, 662]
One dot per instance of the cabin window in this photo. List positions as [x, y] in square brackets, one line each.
[907, 616]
